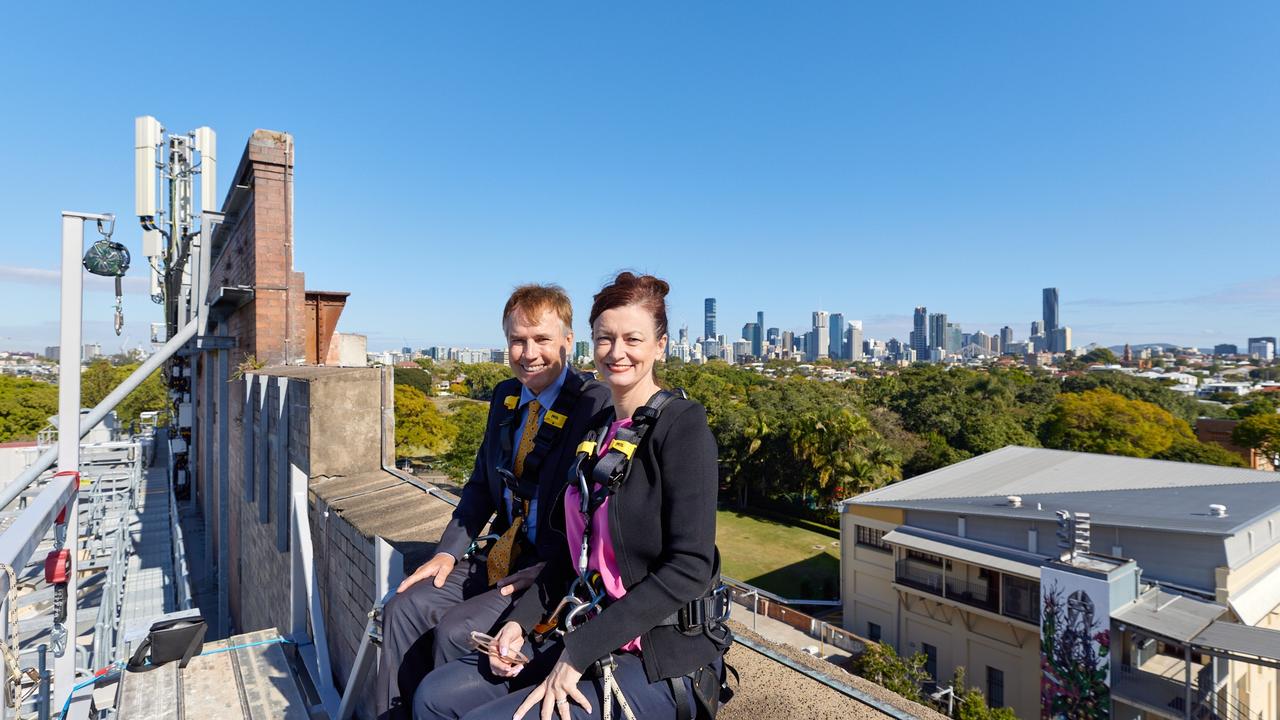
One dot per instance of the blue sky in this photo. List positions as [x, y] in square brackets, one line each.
[784, 157]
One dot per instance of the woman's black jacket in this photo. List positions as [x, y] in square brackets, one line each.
[663, 524]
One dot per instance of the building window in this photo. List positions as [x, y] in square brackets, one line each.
[995, 687]
[925, 557]
[1021, 599]
[930, 660]
[873, 632]
[872, 538]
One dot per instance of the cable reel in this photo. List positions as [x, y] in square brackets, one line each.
[108, 258]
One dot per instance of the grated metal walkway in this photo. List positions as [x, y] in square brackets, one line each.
[149, 582]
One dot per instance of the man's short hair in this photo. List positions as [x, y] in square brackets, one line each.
[533, 300]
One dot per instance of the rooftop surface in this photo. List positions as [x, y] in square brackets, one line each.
[1132, 492]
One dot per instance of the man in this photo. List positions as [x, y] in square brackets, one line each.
[535, 420]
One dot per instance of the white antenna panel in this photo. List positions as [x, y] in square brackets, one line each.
[147, 134]
[207, 144]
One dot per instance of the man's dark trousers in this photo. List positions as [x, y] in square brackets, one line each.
[410, 647]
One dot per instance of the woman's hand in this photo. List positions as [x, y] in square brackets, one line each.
[508, 642]
[555, 692]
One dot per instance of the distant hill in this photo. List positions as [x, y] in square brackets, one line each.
[1117, 349]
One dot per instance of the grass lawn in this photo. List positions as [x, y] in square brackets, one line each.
[789, 561]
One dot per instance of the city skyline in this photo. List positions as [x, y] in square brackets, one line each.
[856, 159]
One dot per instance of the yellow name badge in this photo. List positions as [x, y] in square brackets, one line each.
[623, 447]
[511, 401]
[554, 419]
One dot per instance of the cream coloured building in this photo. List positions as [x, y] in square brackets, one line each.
[1185, 559]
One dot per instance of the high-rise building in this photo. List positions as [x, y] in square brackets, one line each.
[1006, 338]
[894, 348]
[773, 336]
[1050, 298]
[582, 351]
[751, 333]
[709, 320]
[955, 339]
[819, 340]
[1037, 328]
[787, 340]
[684, 334]
[853, 341]
[938, 331]
[836, 332]
[1264, 338]
[1225, 349]
[1263, 348]
[757, 342]
[919, 338]
[1060, 339]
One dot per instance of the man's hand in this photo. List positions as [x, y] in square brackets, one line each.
[437, 567]
[508, 642]
[516, 582]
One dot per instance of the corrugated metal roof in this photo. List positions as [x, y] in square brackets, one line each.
[1177, 617]
[1255, 641]
[969, 551]
[1122, 491]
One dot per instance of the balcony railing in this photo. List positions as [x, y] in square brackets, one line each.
[916, 574]
[1021, 601]
[978, 593]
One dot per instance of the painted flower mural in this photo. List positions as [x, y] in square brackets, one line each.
[1075, 654]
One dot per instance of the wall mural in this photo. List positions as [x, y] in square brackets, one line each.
[1075, 646]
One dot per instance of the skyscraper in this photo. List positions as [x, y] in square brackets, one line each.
[938, 331]
[1050, 299]
[1006, 338]
[757, 342]
[709, 307]
[773, 336]
[1050, 310]
[836, 332]
[919, 339]
[819, 340]
[751, 333]
[853, 341]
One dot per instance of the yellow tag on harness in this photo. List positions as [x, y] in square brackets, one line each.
[623, 447]
[587, 447]
[554, 419]
[511, 401]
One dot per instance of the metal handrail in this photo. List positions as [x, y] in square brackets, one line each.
[11, 491]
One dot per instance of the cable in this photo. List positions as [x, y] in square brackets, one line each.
[115, 666]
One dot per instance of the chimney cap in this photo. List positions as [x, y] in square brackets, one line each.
[1218, 510]
[1014, 500]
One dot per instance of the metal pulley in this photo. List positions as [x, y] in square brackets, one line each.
[109, 258]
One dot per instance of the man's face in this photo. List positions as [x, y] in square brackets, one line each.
[539, 348]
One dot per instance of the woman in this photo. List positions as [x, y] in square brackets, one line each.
[651, 540]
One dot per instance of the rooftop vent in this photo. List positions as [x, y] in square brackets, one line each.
[1014, 501]
[1217, 510]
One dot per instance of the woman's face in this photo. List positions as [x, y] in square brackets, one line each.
[627, 346]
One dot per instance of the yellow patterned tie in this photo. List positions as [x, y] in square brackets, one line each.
[504, 551]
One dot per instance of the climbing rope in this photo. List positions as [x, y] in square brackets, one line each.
[613, 692]
[15, 675]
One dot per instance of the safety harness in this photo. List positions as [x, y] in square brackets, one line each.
[599, 476]
[525, 488]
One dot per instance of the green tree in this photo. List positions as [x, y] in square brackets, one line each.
[468, 421]
[150, 396]
[1136, 388]
[97, 381]
[1262, 433]
[1099, 355]
[880, 664]
[1101, 421]
[1257, 404]
[1194, 451]
[417, 379]
[482, 378]
[420, 428]
[25, 407]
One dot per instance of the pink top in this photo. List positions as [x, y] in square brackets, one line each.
[600, 555]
